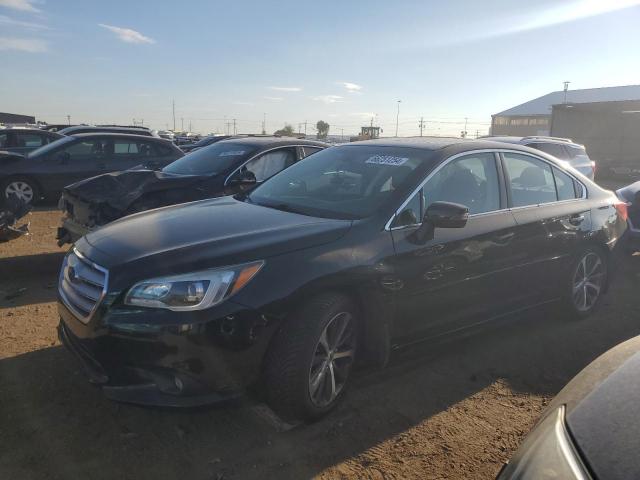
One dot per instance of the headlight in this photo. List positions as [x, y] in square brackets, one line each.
[192, 291]
[547, 453]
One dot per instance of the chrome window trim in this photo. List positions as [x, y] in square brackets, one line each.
[79, 315]
[496, 152]
[267, 151]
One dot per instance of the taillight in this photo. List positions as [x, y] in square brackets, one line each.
[622, 209]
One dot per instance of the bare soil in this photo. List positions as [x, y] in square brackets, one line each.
[457, 409]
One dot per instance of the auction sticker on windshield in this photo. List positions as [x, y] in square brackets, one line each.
[387, 160]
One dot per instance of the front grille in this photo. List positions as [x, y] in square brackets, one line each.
[82, 284]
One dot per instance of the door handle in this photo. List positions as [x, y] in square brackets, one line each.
[576, 219]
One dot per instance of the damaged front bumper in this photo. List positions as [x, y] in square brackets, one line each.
[70, 231]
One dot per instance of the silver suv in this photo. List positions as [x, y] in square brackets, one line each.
[561, 148]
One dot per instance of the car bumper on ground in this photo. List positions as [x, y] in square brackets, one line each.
[178, 365]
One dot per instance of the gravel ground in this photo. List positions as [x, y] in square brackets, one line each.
[456, 409]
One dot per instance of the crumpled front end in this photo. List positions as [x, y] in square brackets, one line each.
[11, 212]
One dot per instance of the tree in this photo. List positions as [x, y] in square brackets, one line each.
[286, 131]
[323, 129]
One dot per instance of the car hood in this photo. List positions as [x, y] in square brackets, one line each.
[205, 234]
[603, 412]
[119, 190]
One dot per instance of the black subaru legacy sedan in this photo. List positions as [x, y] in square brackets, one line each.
[340, 258]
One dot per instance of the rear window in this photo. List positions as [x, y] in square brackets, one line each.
[216, 158]
[554, 149]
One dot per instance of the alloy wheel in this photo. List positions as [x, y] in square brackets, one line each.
[588, 281]
[332, 360]
[22, 190]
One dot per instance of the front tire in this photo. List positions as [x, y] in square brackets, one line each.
[587, 282]
[309, 364]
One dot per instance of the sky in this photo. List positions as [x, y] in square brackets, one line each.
[345, 62]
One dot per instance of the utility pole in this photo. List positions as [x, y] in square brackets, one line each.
[182, 124]
[264, 123]
[421, 125]
[398, 116]
[68, 119]
[342, 134]
[305, 128]
[566, 88]
[189, 125]
[235, 131]
[173, 103]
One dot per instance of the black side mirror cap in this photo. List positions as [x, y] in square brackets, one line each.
[446, 215]
[245, 179]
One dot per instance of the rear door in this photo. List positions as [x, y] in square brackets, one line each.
[461, 276]
[552, 220]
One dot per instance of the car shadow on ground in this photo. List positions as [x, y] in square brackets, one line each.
[53, 422]
[32, 279]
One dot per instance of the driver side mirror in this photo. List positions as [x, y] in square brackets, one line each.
[441, 215]
[446, 215]
[243, 179]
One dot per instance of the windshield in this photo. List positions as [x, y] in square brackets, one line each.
[45, 149]
[212, 159]
[348, 182]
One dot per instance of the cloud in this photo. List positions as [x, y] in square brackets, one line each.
[351, 87]
[328, 98]
[31, 45]
[274, 99]
[286, 89]
[12, 22]
[22, 5]
[127, 35]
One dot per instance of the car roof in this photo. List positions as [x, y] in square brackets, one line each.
[99, 129]
[531, 139]
[437, 143]
[121, 135]
[261, 141]
[27, 129]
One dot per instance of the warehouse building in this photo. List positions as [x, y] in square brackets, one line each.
[535, 116]
[15, 118]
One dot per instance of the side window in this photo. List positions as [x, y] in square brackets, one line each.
[125, 147]
[530, 180]
[4, 139]
[306, 151]
[565, 185]
[270, 163]
[471, 180]
[411, 214]
[554, 149]
[31, 140]
[88, 148]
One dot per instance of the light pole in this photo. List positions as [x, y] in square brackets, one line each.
[566, 88]
[398, 116]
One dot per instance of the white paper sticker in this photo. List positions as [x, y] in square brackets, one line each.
[387, 160]
[231, 153]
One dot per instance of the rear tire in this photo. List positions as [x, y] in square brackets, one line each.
[23, 188]
[586, 283]
[308, 365]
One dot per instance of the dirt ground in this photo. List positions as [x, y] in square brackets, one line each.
[453, 410]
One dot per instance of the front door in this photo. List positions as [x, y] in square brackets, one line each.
[459, 276]
[82, 159]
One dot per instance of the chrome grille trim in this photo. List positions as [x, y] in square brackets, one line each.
[82, 285]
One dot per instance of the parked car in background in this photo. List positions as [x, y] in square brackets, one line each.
[339, 258]
[25, 140]
[223, 168]
[203, 142]
[561, 148]
[47, 170]
[591, 429]
[54, 127]
[631, 196]
[107, 129]
[167, 135]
